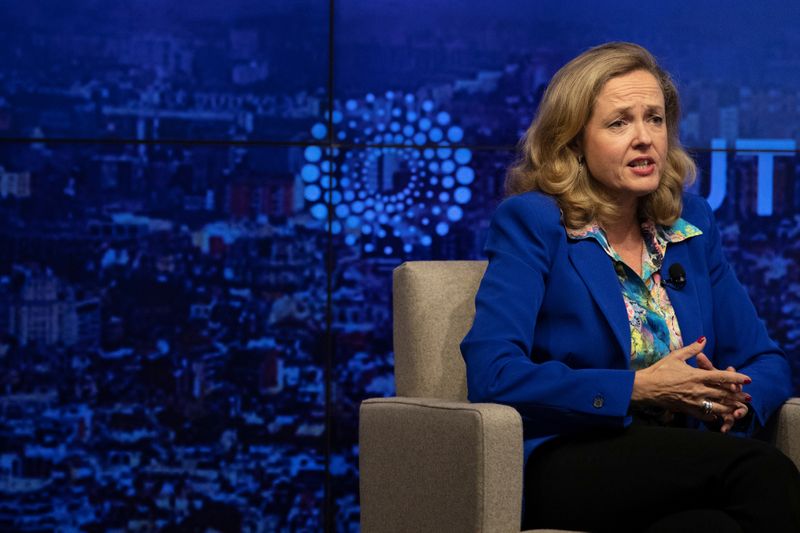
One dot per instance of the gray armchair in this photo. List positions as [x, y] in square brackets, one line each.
[429, 460]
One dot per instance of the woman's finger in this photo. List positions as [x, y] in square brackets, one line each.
[727, 423]
[717, 410]
[734, 387]
[728, 397]
[730, 420]
[723, 378]
[689, 351]
[703, 362]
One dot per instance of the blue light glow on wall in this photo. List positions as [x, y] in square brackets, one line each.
[401, 190]
[178, 252]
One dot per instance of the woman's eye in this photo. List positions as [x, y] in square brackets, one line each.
[617, 124]
[657, 119]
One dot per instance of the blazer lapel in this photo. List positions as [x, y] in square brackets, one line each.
[597, 271]
[684, 301]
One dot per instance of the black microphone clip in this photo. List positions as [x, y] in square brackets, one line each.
[677, 277]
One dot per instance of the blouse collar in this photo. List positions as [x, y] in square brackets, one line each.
[656, 238]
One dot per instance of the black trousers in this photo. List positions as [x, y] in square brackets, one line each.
[654, 479]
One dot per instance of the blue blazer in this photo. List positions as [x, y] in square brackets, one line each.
[551, 335]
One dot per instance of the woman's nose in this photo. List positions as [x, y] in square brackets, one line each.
[641, 134]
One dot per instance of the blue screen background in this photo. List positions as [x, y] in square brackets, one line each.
[202, 205]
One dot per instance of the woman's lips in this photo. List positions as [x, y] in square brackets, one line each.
[642, 167]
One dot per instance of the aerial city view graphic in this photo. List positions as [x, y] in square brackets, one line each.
[198, 227]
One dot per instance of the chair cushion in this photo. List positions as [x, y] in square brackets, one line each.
[434, 305]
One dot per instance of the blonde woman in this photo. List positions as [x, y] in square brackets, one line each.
[609, 317]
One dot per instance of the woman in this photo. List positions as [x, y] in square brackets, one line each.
[602, 273]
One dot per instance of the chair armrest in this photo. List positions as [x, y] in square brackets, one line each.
[437, 465]
[787, 430]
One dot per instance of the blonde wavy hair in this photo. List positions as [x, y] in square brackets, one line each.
[549, 152]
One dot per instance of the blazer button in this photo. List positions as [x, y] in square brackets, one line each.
[598, 401]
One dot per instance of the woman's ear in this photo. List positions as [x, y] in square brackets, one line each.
[577, 148]
[577, 142]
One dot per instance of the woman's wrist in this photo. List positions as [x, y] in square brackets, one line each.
[641, 387]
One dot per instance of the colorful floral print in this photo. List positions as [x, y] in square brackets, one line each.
[654, 327]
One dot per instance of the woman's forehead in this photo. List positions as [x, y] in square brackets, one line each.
[638, 88]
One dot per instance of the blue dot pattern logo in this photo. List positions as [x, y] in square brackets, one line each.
[391, 194]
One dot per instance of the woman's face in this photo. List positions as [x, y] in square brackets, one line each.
[625, 140]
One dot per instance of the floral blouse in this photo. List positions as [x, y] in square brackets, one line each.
[654, 327]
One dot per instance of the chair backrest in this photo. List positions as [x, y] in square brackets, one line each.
[434, 305]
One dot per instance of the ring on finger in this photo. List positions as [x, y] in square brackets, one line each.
[707, 407]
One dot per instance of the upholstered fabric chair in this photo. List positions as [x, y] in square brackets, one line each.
[429, 460]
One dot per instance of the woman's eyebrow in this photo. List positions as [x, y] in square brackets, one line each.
[624, 110]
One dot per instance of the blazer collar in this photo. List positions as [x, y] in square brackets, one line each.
[685, 300]
[597, 271]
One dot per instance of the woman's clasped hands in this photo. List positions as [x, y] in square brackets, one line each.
[704, 392]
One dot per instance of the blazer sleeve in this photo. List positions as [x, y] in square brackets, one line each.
[524, 235]
[741, 339]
